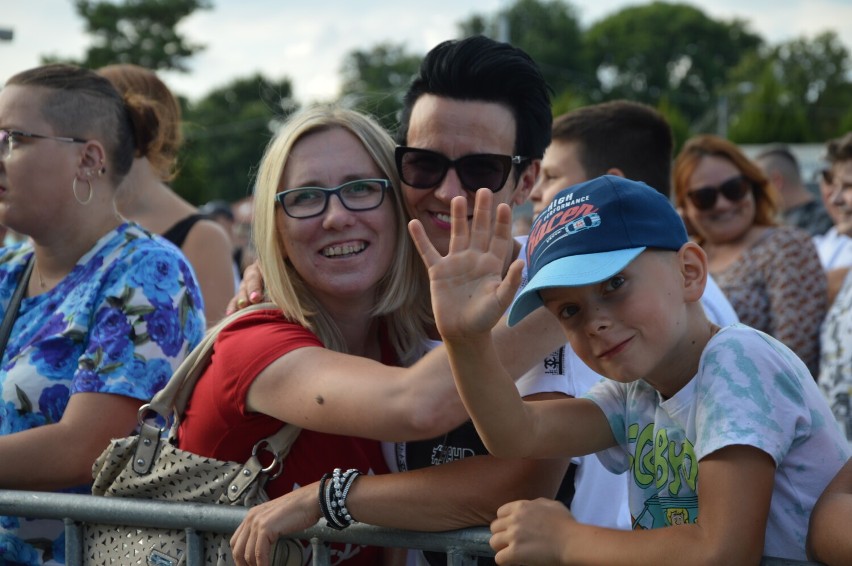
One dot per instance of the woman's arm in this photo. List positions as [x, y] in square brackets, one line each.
[519, 347]
[60, 455]
[458, 494]
[828, 535]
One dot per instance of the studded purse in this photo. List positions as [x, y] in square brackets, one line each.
[151, 466]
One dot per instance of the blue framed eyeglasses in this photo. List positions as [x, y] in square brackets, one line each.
[357, 195]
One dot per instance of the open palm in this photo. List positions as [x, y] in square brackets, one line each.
[469, 294]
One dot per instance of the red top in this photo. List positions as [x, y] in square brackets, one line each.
[217, 424]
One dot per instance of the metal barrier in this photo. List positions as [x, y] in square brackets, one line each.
[463, 547]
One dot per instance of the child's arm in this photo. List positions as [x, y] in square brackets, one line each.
[469, 296]
[734, 494]
[828, 535]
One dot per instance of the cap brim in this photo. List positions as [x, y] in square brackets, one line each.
[573, 271]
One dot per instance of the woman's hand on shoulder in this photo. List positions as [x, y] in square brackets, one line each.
[250, 291]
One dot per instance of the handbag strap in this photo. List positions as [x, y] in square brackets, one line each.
[15, 304]
[173, 398]
[175, 395]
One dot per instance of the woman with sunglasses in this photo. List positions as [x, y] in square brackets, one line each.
[771, 274]
[107, 311]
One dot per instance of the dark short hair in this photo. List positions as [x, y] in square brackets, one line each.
[621, 134]
[480, 69]
[839, 149]
[83, 104]
[778, 157]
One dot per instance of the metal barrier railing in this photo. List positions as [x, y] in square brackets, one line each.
[463, 547]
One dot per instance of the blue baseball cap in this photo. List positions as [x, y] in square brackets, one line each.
[590, 232]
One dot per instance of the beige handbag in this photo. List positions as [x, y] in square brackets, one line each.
[150, 466]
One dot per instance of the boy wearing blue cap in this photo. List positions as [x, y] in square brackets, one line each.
[610, 258]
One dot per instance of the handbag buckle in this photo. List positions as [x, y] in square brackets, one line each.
[276, 463]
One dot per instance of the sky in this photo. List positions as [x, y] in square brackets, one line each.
[306, 41]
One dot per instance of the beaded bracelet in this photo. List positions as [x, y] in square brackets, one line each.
[333, 490]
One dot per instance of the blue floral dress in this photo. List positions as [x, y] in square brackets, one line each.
[120, 323]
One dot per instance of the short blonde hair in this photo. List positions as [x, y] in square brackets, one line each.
[403, 296]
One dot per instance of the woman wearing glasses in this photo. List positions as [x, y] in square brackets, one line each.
[106, 311]
[771, 274]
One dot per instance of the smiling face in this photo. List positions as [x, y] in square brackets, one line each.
[340, 254]
[457, 128]
[841, 196]
[560, 169]
[726, 221]
[628, 326]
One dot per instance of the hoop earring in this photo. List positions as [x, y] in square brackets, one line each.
[74, 190]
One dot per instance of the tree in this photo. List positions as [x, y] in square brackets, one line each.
[549, 32]
[672, 51]
[143, 32]
[803, 83]
[375, 81]
[226, 133]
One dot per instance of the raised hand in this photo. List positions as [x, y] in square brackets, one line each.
[469, 293]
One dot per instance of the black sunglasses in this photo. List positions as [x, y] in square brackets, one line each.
[426, 169]
[733, 189]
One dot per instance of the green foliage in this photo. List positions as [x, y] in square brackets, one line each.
[658, 50]
[549, 31]
[375, 80]
[678, 122]
[803, 83]
[226, 133]
[143, 32]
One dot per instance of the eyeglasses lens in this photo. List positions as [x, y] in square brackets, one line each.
[5, 144]
[733, 190]
[312, 201]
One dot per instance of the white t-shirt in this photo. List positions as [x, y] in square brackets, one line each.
[835, 250]
[600, 497]
[750, 390]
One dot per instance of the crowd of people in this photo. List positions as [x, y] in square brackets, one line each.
[696, 318]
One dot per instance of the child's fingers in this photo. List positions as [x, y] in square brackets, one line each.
[424, 246]
[459, 232]
[481, 229]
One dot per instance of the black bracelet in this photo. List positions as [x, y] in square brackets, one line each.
[334, 488]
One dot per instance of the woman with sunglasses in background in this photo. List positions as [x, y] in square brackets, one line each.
[107, 310]
[770, 273]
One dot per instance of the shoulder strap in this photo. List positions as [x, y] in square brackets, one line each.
[175, 395]
[172, 400]
[15, 304]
